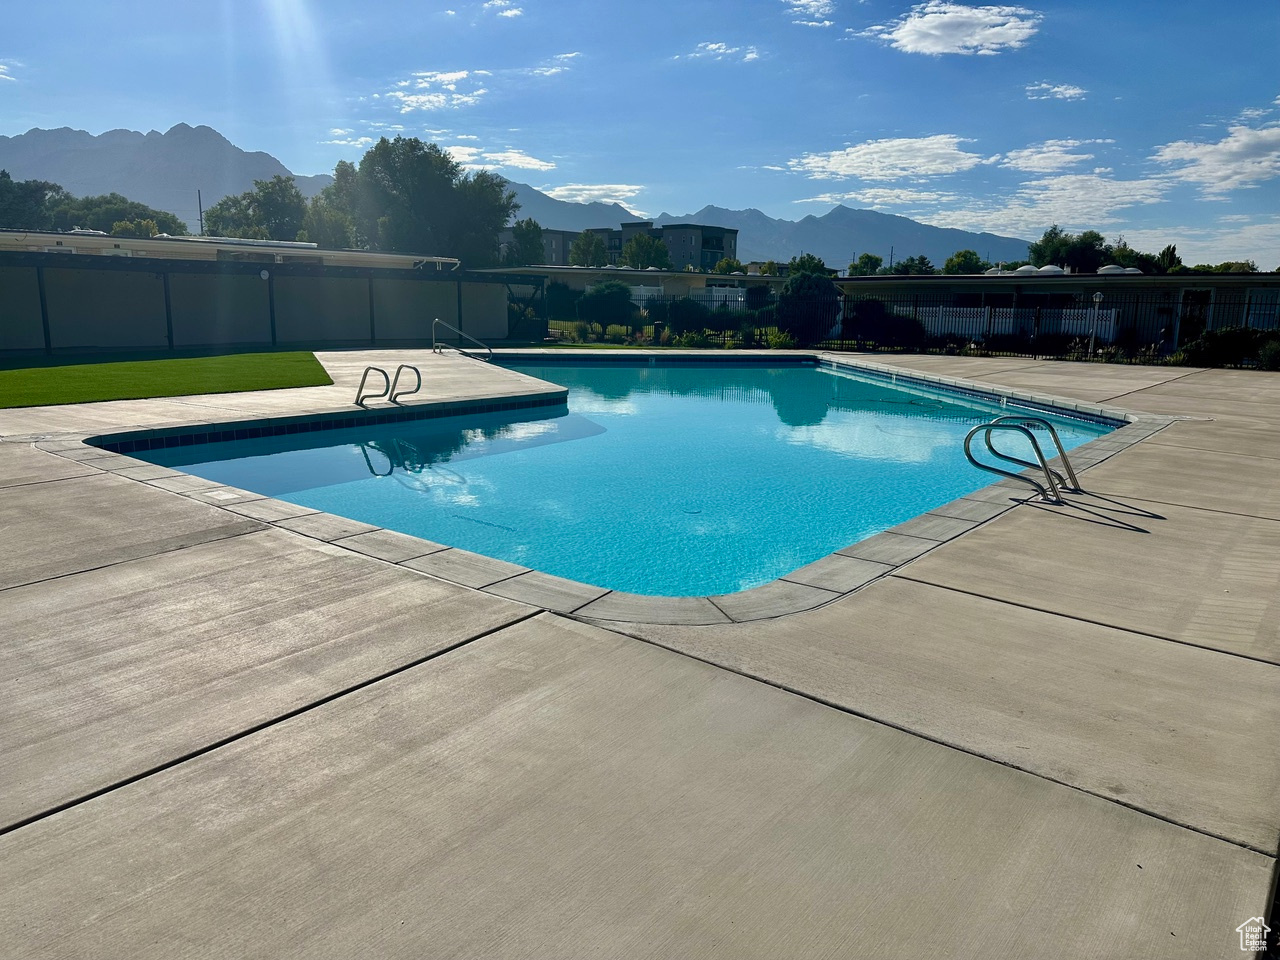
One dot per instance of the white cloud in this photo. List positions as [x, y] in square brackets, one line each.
[715, 50]
[1054, 91]
[6, 74]
[458, 136]
[1051, 156]
[518, 159]
[811, 13]
[1259, 242]
[339, 132]
[350, 141]
[478, 158]
[889, 159]
[939, 27]
[438, 90]
[592, 192]
[568, 56]
[885, 197]
[467, 156]
[1244, 158]
[503, 8]
[1076, 201]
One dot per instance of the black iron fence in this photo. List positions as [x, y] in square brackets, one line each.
[1140, 327]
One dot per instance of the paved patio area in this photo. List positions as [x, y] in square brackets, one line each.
[227, 732]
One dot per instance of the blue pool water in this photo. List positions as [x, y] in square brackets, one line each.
[672, 480]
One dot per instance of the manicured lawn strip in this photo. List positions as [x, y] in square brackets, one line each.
[144, 379]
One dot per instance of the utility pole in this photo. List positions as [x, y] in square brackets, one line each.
[890, 257]
[200, 207]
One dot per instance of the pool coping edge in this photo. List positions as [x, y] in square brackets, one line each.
[814, 585]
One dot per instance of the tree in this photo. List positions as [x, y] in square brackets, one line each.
[866, 265]
[587, 250]
[643, 251]
[273, 210]
[808, 306]
[728, 265]
[24, 203]
[103, 212]
[141, 229]
[526, 244]
[1167, 260]
[769, 268]
[327, 225]
[1083, 254]
[913, 266]
[279, 207]
[1123, 255]
[964, 261]
[807, 263]
[414, 197]
[234, 216]
[1227, 266]
[608, 303]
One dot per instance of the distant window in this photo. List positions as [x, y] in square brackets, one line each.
[59, 249]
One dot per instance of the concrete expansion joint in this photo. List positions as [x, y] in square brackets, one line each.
[958, 747]
[263, 725]
[1097, 623]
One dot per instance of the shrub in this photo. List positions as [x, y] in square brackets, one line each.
[562, 301]
[780, 340]
[867, 320]
[1225, 347]
[693, 338]
[1269, 355]
[580, 332]
[685, 315]
[758, 297]
[808, 307]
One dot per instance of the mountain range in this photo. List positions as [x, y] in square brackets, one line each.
[165, 171]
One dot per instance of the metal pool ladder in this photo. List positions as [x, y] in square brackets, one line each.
[439, 348]
[390, 386]
[1023, 426]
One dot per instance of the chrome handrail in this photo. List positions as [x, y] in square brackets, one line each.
[1070, 481]
[436, 348]
[1050, 493]
[360, 394]
[394, 395]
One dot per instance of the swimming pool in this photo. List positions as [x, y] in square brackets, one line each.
[666, 479]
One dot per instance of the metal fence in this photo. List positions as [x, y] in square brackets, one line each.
[1131, 327]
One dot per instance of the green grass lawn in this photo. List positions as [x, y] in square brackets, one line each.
[136, 380]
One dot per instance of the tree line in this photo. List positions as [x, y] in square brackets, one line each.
[1084, 252]
[409, 196]
[41, 205]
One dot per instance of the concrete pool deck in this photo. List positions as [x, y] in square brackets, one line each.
[1051, 735]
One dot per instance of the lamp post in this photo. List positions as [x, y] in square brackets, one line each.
[1093, 330]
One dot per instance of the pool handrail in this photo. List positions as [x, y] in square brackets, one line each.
[1048, 493]
[1070, 481]
[393, 393]
[438, 348]
[361, 396]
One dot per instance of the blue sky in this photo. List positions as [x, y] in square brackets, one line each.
[1158, 121]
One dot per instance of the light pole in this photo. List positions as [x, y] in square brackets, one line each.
[1093, 330]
